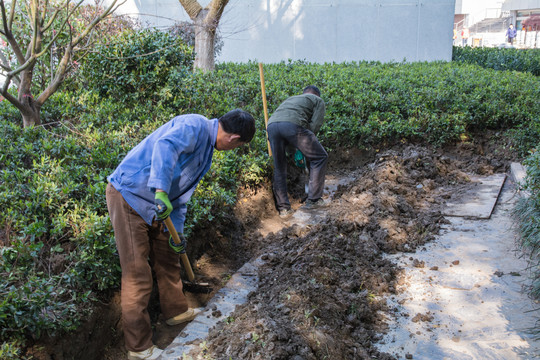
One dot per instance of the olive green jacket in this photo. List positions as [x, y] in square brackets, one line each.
[306, 110]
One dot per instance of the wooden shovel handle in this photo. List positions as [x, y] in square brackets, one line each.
[185, 261]
[265, 107]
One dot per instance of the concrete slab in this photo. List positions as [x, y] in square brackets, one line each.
[220, 307]
[474, 295]
[480, 200]
[518, 173]
[470, 294]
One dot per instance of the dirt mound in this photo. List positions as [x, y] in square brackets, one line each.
[316, 298]
[321, 287]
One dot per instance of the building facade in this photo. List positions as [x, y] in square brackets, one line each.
[470, 12]
[520, 10]
[321, 31]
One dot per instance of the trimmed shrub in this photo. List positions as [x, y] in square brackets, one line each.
[134, 66]
[58, 250]
[371, 103]
[525, 60]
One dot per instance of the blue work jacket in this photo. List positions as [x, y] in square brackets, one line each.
[173, 158]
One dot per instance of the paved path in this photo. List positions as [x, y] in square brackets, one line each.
[463, 294]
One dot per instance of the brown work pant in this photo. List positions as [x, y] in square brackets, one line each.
[137, 243]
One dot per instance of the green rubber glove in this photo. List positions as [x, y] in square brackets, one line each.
[163, 206]
[299, 159]
[178, 248]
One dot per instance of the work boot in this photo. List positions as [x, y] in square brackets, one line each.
[283, 213]
[189, 315]
[314, 204]
[152, 352]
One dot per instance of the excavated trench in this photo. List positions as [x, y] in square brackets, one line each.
[313, 286]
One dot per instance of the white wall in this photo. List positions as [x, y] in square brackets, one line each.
[325, 30]
[155, 13]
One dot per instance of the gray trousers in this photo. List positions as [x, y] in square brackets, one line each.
[283, 134]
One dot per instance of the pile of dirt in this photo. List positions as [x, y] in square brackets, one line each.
[322, 287]
[316, 298]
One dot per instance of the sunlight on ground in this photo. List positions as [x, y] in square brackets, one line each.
[464, 303]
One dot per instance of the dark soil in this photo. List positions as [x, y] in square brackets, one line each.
[322, 287]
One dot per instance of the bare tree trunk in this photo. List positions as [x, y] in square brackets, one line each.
[204, 43]
[31, 117]
[30, 108]
[206, 22]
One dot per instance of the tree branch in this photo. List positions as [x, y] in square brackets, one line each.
[35, 20]
[5, 29]
[5, 65]
[58, 78]
[7, 95]
[192, 7]
[8, 34]
[62, 26]
[215, 10]
[11, 13]
[50, 22]
[44, 10]
[64, 63]
[24, 66]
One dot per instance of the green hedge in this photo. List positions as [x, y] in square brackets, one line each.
[59, 249]
[369, 103]
[524, 60]
[134, 66]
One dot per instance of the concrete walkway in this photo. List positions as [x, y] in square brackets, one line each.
[219, 308]
[463, 294]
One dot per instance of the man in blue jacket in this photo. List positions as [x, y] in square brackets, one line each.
[511, 34]
[163, 169]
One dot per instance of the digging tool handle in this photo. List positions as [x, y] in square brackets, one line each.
[265, 107]
[185, 261]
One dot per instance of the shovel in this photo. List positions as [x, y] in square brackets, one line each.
[189, 285]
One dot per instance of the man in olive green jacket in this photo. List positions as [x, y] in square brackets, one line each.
[295, 123]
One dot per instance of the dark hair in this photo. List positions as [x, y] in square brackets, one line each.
[239, 122]
[312, 89]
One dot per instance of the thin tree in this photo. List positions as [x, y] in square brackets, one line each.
[206, 21]
[33, 31]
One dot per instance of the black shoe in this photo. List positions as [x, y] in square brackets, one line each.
[285, 212]
[314, 204]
